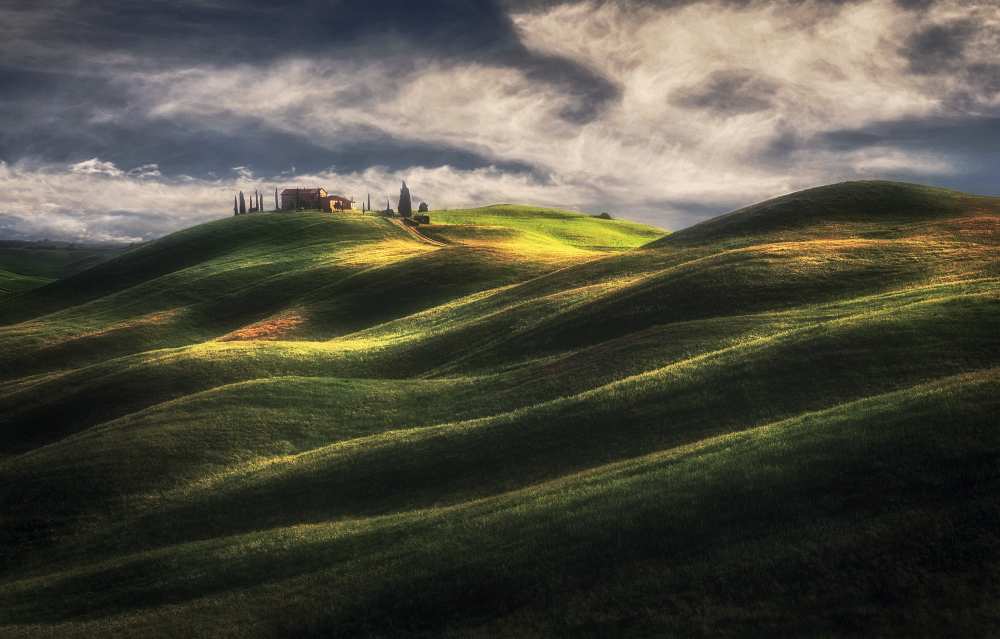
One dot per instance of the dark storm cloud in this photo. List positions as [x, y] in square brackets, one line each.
[938, 47]
[231, 31]
[81, 112]
[975, 141]
[185, 147]
[972, 142]
[973, 135]
[48, 113]
[915, 4]
[942, 49]
[729, 92]
[227, 32]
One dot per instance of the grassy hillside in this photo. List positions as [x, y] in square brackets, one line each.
[12, 282]
[28, 265]
[548, 226]
[778, 422]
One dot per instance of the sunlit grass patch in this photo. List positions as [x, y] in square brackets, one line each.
[378, 253]
[567, 227]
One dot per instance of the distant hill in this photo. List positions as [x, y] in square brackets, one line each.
[781, 421]
[25, 265]
[873, 207]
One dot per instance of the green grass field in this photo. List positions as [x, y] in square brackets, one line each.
[28, 265]
[779, 422]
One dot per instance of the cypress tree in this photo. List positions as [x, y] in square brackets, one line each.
[276, 207]
[243, 204]
[236, 208]
[405, 206]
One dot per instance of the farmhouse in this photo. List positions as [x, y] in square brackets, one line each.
[292, 199]
[314, 198]
[337, 203]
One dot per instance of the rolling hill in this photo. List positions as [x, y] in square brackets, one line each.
[27, 265]
[537, 423]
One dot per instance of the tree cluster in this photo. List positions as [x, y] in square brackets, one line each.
[240, 206]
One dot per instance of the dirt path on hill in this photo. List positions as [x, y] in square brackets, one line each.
[415, 233]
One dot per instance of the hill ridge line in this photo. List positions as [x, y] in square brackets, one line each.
[158, 355]
[391, 436]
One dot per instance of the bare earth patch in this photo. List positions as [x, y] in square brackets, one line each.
[270, 329]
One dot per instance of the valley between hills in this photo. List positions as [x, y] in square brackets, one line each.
[526, 422]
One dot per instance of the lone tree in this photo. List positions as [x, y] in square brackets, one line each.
[236, 206]
[276, 207]
[405, 206]
[422, 208]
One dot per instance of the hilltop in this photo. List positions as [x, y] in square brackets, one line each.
[871, 208]
[541, 423]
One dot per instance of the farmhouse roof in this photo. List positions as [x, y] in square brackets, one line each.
[310, 190]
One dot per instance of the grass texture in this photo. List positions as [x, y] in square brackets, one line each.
[778, 422]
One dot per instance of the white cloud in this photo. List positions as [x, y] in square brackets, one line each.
[146, 171]
[244, 173]
[94, 166]
[60, 203]
[882, 159]
[98, 201]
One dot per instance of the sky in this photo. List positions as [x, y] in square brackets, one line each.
[124, 120]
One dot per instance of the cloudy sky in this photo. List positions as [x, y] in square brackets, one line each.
[124, 120]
